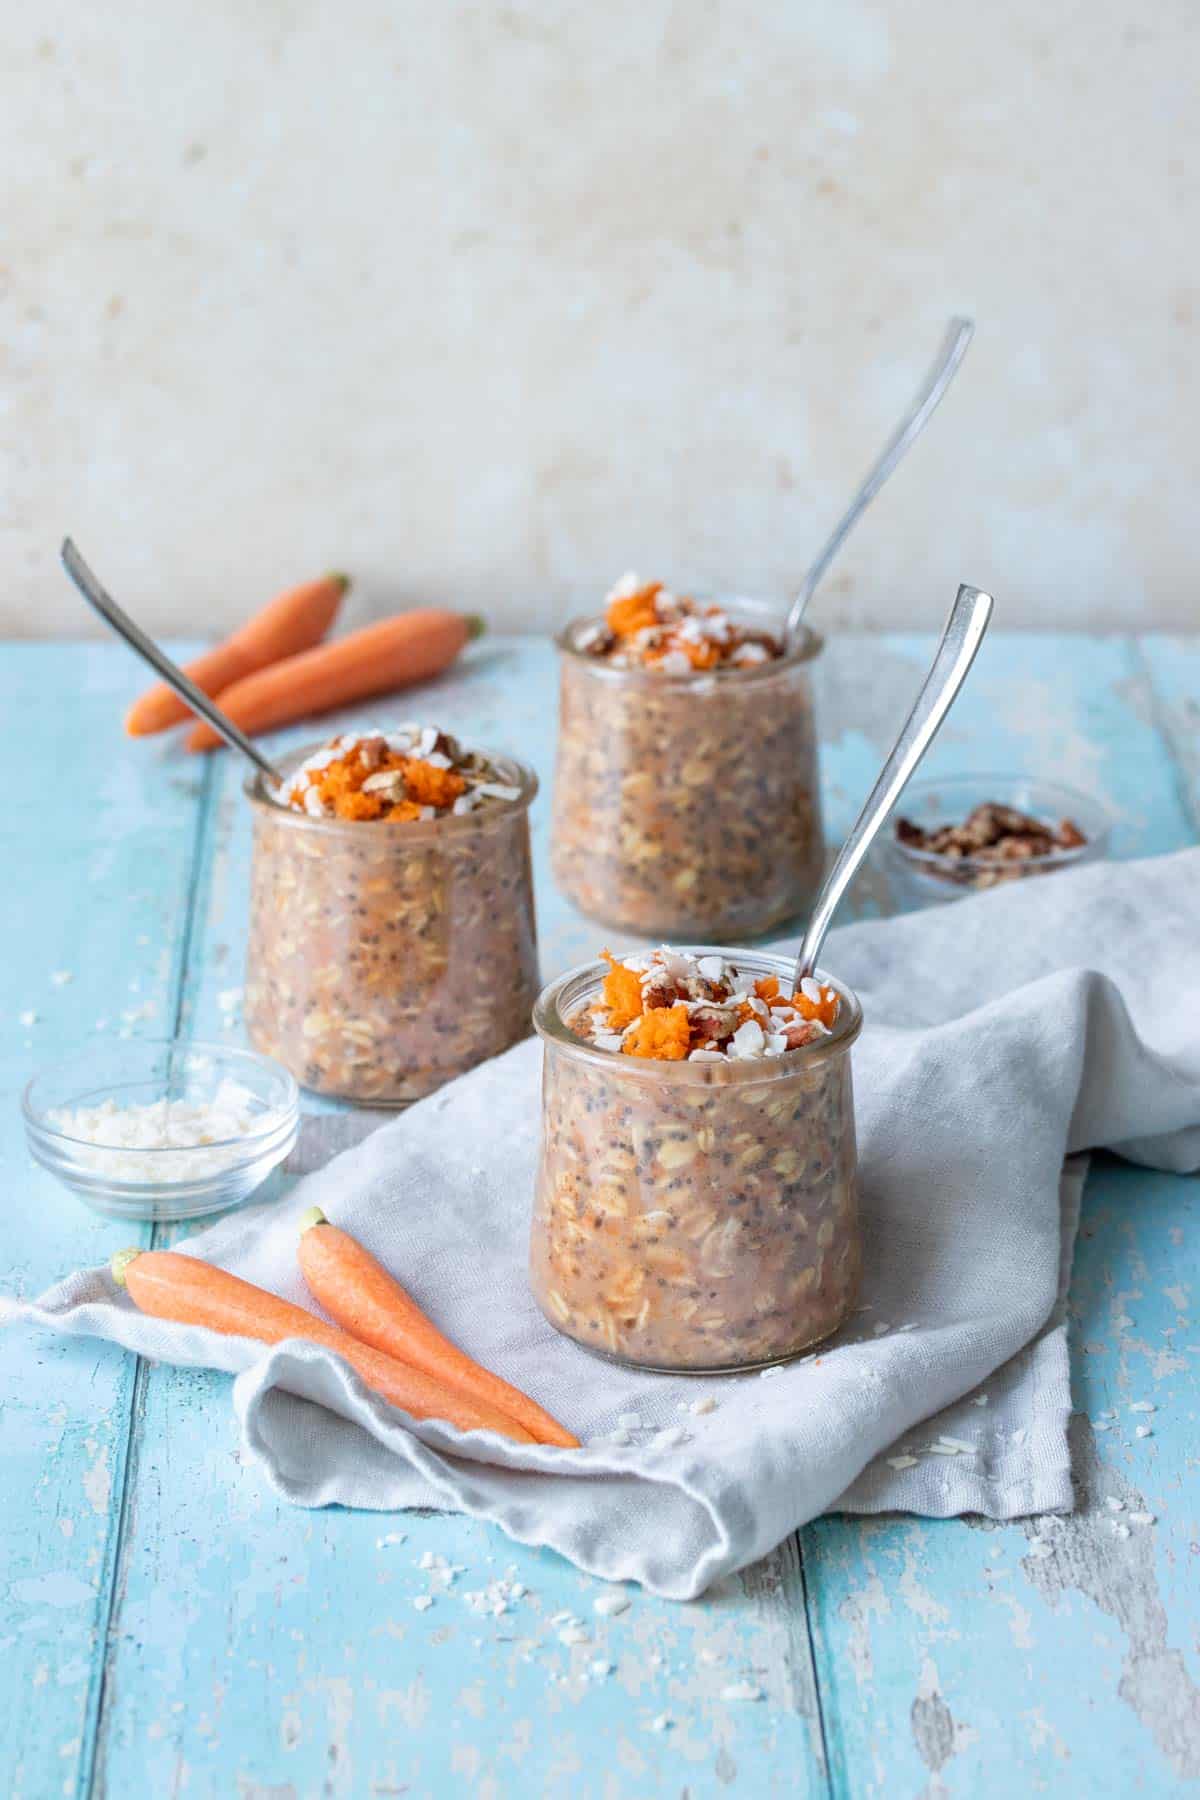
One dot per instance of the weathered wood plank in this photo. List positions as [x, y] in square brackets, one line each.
[958, 1656]
[98, 846]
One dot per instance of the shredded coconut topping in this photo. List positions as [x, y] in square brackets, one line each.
[647, 626]
[410, 772]
[670, 1005]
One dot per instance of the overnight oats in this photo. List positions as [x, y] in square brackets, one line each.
[686, 798]
[696, 1204]
[392, 941]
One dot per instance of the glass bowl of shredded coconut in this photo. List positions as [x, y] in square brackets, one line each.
[161, 1129]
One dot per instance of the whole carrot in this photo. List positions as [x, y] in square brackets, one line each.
[170, 1286]
[372, 1306]
[293, 621]
[410, 647]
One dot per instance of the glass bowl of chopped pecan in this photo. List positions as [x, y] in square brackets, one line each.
[687, 793]
[970, 832]
[696, 1206]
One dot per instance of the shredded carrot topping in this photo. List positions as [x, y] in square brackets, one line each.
[825, 1009]
[767, 988]
[622, 993]
[664, 1033]
[633, 612]
[430, 786]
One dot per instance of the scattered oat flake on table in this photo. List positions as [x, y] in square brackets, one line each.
[959, 1444]
[942, 1449]
[389, 1537]
[609, 1605]
[741, 1690]
[423, 1602]
[1143, 1431]
[1142, 1406]
[600, 1669]
[1101, 1425]
[775, 1369]
[902, 1462]
[707, 1405]
[575, 1634]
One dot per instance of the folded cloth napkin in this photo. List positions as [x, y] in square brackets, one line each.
[1003, 1033]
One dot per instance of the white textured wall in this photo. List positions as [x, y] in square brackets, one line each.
[487, 303]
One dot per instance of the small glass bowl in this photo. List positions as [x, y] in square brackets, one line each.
[922, 877]
[181, 1181]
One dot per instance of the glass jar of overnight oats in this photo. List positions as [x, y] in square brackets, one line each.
[687, 795]
[392, 942]
[696, 1205]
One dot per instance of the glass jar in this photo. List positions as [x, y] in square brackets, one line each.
[695, 1216]
[384, 959]
[688, 805]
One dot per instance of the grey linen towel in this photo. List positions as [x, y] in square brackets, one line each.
[1004, 1033]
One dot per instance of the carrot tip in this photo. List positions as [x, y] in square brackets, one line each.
[343, 581]
[476, 626]
[120, 1260]
[314, 1216]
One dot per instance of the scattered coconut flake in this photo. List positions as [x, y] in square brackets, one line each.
[942, 1449]
[707, 1405]
[880, 1327]
[1124, 1323]
[629, 1421]
[980, 1400]
[1143, 1406]
[389, 1537]
[959, 1444]
[1113, 1504]
[1142, 1518]
[27, 1018]
[902, 1462]
[599, 1669]
[1143, 1431]
[60, 977]
[741, 1690]
[423, 1602]
[1118, 1529]
[663, 1722]
[775, 1369]
[1040, 1549]
[575, 1634]
[609, 1605]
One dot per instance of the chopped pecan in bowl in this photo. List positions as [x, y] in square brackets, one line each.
[968, 833]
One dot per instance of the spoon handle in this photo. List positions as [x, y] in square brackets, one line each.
[959, 333]
[960, 640]
[101, 601]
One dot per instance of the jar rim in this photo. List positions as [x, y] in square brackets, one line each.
[254, 787]
[807, 647]
[551, 1025]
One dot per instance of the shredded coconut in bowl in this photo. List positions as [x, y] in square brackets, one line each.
[670, 1004]
[117, 1141]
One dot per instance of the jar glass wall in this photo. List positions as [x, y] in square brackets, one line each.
[688, 805]
[695, 1216]
[384, 959]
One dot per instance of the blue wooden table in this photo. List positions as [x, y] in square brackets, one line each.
[168, 1627]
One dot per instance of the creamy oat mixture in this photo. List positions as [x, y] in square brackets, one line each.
[671, 1005]
[381, 962]
[402, 775]
[686, 795]
[696, 1206]
[646, 626]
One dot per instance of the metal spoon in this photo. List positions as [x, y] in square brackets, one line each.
[960, 640]
[102, 602]
[959, 333]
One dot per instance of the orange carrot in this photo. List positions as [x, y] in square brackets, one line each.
[293, 621]
[409, 647]
[170, 1286]
[372, 1306]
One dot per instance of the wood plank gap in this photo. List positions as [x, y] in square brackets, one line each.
[1161, 720]
[91, 1767]
[814, 1665]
